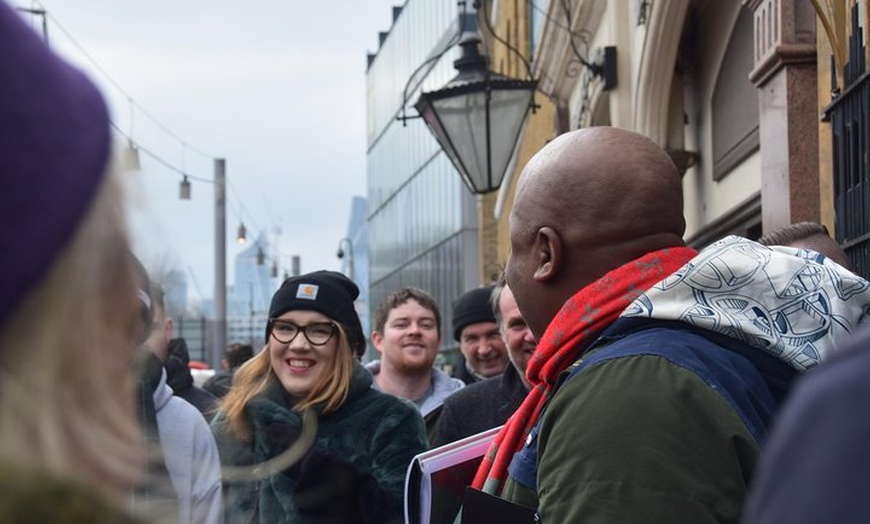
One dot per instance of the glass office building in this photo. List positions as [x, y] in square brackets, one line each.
[422, 221]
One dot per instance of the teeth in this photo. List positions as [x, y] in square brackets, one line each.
[299, 363]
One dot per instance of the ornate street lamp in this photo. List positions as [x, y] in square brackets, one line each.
[477, 117]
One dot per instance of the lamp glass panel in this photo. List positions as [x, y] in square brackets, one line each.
[463, 119]
[508, 109]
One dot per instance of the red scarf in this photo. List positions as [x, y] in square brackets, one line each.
[574, 327]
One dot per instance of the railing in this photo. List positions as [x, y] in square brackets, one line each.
[849, 115]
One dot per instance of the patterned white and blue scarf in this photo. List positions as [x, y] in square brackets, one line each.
[796, 304]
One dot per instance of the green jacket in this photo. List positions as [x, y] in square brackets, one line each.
[355, 469]
[658, 425]
[663, 418]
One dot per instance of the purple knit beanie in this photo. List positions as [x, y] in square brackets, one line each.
[54, 148]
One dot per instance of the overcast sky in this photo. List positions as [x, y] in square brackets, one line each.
[277, 88]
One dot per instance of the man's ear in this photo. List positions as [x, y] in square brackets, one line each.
[377, 341]
[548, 253]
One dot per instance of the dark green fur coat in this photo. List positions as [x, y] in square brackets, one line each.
[354, 472]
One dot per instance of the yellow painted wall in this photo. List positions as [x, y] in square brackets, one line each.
[512, 24]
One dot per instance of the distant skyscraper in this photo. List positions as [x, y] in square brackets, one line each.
[355, 262]
[248, 298]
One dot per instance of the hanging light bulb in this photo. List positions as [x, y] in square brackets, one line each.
[242, 235]
[274, 269]
[184, 189]
[261, 257]
[130, 157]
[130, 154]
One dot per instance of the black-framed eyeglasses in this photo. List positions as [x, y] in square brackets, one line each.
[317, 334]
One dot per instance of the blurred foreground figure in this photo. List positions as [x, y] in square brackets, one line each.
[816, 467]
[658, 370]
[70, 447]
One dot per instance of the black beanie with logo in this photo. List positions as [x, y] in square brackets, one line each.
[327, 292]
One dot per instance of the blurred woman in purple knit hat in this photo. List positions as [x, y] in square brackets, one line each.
[70, 446]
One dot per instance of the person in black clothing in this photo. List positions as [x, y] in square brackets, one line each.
[489, 403]
[235, 355]
[173, 353]
[180, 379]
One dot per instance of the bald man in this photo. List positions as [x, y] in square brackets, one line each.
[658, 369]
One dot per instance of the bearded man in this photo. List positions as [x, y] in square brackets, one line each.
[407, 335]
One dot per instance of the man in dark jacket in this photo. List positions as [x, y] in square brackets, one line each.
[235, 355]
[489, 403]
[180, 379]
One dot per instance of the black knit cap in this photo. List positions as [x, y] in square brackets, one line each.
[470, 308]
[327, 292]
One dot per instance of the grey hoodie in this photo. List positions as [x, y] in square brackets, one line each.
[443, 385]
[191, 457]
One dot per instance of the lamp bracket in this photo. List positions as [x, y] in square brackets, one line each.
[683, 159]
[430, 62]
[602, 65]
[404, 117]
[480, 6]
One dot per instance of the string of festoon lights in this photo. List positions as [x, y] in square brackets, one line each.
[132, 147]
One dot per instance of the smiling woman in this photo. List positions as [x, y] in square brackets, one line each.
[354, 468]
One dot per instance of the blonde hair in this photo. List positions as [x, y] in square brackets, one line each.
[255, 375]
[66, 380]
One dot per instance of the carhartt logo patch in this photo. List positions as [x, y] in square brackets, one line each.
[307, 291]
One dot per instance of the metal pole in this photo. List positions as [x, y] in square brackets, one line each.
[220, 263]
[349, 259]
[349, 242]
[38, 12]
[251, 325]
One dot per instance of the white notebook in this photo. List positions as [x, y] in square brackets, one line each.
[436, 479]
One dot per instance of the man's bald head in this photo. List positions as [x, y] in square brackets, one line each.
[590, 201]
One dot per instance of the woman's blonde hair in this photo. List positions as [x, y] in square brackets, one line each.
[66, 385]
[327, 395]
